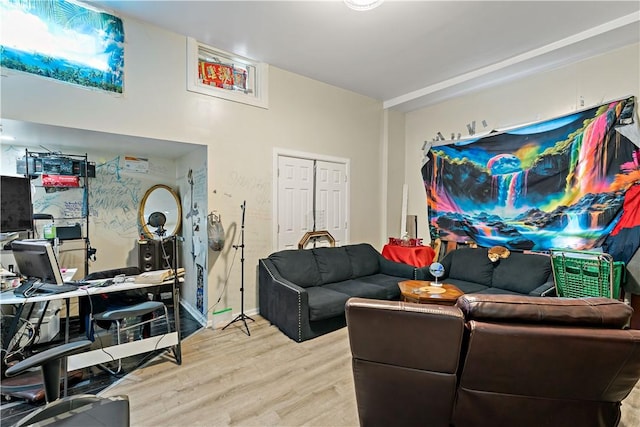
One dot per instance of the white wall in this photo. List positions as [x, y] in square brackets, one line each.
[114, 196]
[304, 115]
[540, 97]
[395, 135]
[191, 177]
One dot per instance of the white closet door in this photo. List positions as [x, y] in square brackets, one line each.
[331, 199]
[295, 200]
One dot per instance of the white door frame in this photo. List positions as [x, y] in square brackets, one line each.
[277, 152]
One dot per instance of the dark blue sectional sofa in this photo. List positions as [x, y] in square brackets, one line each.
[520, 274]
[303, 292]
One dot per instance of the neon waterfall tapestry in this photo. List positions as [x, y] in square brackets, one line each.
[558, 183]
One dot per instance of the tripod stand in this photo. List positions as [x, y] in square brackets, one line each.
[241, 317]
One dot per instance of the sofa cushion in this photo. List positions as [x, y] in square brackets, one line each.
[521, 273]
[389, 283]
[357, 288]
[464, 286]
[297, 266]
[470, 265]
[364, 259]
[333, 264]
[496, 291]
[325, 303]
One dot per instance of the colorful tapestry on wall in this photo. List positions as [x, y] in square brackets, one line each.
[555, 184]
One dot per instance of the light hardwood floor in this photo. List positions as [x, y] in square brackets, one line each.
[230, 379]
[631, 409]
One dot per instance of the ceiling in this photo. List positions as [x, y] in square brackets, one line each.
[50, 138]
[408, 54]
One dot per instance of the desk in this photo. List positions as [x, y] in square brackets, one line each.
[107, 354]
[418, 256]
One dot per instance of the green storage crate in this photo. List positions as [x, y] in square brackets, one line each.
[580, 274]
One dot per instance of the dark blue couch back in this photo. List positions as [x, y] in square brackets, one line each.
[319, 266]
[521, 273]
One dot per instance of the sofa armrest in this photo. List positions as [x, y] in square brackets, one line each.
[398, 269]
[282, 302]
[422, 273]
[547, 289]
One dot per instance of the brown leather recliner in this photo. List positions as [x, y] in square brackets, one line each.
[493, 360]
[405, 360]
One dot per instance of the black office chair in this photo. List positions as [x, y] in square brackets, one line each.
[100, 303]
[120, 306]
[120, 316]
[84, 409]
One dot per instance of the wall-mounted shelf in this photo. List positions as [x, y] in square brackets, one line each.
[55, 172]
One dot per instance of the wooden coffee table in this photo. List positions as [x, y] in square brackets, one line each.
[422, 292]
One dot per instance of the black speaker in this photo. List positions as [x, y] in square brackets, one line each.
[152, 257]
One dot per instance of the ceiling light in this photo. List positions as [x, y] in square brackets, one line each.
[362, 5]
[7, 138]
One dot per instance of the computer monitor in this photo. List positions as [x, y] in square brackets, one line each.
[36, 260]
[15, 204]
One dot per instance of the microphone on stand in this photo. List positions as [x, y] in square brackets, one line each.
[158, 220]
[242, 316]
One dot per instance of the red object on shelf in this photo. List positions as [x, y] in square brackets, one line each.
[418, 256]
[400, 242]
[60, 180]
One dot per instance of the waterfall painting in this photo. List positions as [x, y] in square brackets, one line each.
[63, 40]
[554, 184]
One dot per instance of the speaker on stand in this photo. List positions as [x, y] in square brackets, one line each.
[151, 256]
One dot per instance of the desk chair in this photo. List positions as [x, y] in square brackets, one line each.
[120, 316]
[119, 307]
[102, 302]
[84, 409]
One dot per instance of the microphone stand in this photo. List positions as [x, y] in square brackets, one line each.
[177, 349]
[175, 293]
[241, 317]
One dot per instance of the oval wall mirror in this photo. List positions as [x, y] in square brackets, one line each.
[160, 212]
